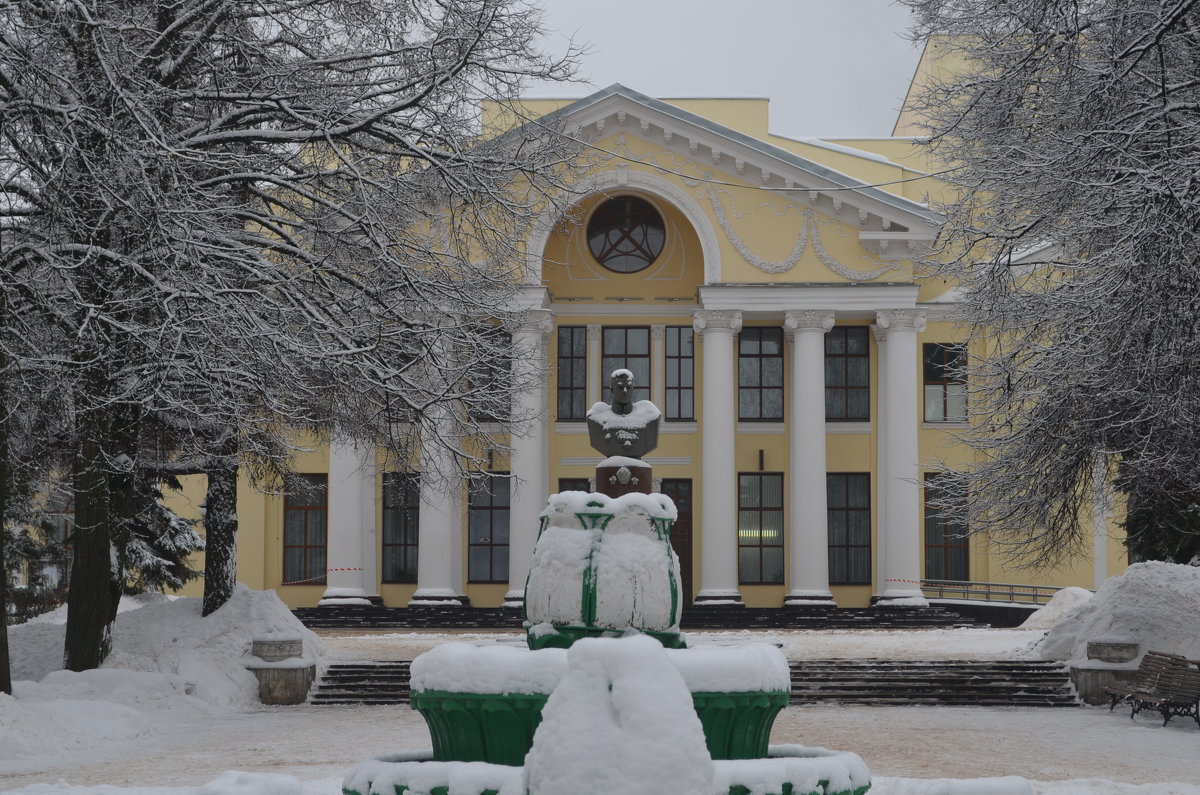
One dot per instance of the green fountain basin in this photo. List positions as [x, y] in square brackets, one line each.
[498, 728]
[480, 727]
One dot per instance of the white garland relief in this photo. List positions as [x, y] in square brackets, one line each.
[808, 226]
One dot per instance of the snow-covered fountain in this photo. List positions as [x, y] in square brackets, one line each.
[605, 699]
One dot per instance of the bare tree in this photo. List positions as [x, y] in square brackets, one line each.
[1073, 132]
[236, 218]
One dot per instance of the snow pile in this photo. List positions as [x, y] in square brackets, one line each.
[466, 668]
[235, 782]
[621, 721]
[749, 667]
[1059, 605]
[640, 415]
[167, 663]
[1156, 605]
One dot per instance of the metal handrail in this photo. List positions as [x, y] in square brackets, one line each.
[989, 591]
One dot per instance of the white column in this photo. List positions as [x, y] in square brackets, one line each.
[595, 378]
[436, 518]
[529, 449]
[880, 423]
[808, 532]
[658, 367]
[718, 426]
[351, 569]
[901, 469]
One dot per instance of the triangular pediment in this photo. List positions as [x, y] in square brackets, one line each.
[889, 226]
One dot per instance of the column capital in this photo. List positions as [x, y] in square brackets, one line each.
[705, 320]
[658, 332]
[908, 319]
[538, 320]
[593, 332]
[795, 320]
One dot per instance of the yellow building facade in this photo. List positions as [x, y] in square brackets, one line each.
[763, 292]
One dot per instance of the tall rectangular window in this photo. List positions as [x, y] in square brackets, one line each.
[572, 373]
[401, 512]
[626, 348]
[946, 541]
[945, 382]
[760, 374]
[487, 529]
[305, 525]
[760, 528]
[680, 391]
[847, 374]
[848, 497]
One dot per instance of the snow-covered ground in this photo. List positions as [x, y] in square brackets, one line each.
[174, 712]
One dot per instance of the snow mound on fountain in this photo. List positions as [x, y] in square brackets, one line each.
[621, 721]
[1152, 604]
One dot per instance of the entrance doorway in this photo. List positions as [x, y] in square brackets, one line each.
[680, 492]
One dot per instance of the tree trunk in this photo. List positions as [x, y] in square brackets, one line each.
[89, 598]
[220, 530]
[5, 673]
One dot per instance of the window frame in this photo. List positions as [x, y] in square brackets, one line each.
[746, 543]
[945, 365]
[640, 391]
[628, 236]
[845, 389]
[486, 484]
[408, 513]
[676, 395]
[940, 552]
[305, 510]
[760, 390]
[844, 550]
[572, 373]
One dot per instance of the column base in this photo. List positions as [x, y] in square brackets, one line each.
[514, 600]
[337, 597]
[718, 598]
[809, 599]
[438, 597]
[897, 597]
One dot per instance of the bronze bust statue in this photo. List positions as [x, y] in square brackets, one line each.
[624, 427]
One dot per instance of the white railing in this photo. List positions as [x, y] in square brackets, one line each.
[989, 591]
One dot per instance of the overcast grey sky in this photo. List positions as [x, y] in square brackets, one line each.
[831, 68]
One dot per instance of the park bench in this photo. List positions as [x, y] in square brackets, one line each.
[1168, 683]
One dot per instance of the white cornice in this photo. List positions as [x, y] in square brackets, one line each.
[626, 309]
[848, 301]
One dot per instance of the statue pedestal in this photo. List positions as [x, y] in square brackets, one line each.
[620, 475]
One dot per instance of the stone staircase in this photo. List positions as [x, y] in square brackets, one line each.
[694, 617]
[382, 682]
[866, 682]
[984, 683]
[818, 617]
